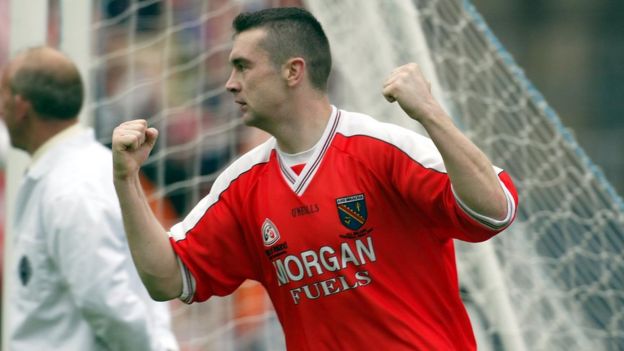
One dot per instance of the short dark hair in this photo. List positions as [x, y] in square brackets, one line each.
[292, 32]
[55, 91]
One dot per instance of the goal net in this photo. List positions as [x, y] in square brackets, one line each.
[553, 281]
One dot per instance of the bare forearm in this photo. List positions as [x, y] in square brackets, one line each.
[471, 173]
[151, 251]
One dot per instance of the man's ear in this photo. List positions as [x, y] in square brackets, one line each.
[22, 107]
[294, 70]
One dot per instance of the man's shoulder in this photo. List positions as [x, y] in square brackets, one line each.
[256, 156]
[80, 152]
[242, 166]
[79, 170]
[89, 161]
[371, 140]
[367, 129]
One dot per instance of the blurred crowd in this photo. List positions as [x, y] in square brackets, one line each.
[169, 65]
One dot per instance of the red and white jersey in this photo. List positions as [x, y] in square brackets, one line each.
[355, 251]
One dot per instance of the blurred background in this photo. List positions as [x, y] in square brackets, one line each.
[573, 52]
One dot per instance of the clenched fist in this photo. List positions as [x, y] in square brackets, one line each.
[408, 86]
[132, 143]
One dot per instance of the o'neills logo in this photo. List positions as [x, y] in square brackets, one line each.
[270, 235]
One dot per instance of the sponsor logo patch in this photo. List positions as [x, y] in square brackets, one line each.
[270, 234]
[352, 211]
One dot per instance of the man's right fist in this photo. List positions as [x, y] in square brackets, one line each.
[132, 143]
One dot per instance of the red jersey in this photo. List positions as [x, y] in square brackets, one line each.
[356, 252]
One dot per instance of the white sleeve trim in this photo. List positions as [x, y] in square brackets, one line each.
[489, 222]
[188, 283]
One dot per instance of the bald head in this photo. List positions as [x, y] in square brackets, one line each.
[49, 81]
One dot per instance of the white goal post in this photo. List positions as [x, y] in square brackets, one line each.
[553, 281]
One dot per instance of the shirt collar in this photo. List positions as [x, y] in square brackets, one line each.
[299, 182]
[50, 143]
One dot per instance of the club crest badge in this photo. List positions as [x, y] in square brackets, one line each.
[352, 211]
[270, 234]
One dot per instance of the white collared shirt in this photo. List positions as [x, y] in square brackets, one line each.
[73, 284]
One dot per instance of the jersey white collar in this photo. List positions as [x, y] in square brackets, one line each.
[298, 183]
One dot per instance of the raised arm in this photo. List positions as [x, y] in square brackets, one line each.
[149, 244]
[472, 175]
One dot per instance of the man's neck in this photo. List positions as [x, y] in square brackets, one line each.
[46, 131]
[303, 128]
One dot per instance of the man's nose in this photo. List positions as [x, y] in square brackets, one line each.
[232, 84]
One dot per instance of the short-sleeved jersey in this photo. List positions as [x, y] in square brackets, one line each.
[356, 252]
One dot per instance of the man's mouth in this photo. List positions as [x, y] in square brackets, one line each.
[242, 105]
